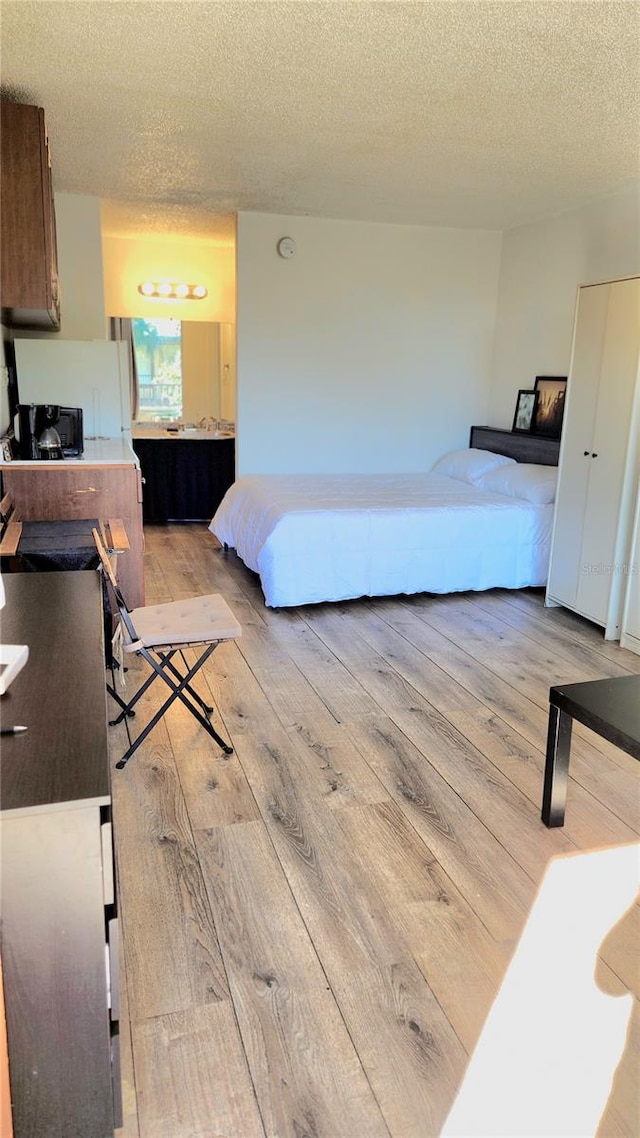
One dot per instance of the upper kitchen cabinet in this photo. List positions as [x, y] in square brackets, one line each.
[29, 267]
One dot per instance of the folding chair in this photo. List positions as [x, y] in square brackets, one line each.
[158, 633]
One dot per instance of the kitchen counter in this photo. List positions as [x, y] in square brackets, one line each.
[97, 452]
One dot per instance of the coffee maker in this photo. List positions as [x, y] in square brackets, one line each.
[48, 431]
[38, 435]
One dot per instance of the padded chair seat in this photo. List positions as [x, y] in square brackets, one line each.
[191, 621]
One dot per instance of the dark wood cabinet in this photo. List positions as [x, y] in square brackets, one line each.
[58, 491]
[185, 479]
[59, 923]
[29, 265]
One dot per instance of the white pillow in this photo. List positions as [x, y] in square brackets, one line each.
[470, 465]
[526, 480]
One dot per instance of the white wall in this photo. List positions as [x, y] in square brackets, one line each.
[369, 350]
[130, 260]
[373, 348]
[542, 267]
[78, 225]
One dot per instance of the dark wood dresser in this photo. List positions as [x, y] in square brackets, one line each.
[59, 925]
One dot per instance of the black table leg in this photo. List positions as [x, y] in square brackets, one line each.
[556, 771]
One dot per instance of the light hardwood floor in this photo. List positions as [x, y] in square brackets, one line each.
[314, 929]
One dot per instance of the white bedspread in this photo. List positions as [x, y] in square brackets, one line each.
[329, 537]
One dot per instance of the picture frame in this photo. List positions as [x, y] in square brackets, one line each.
[551, 391]
[525, 412]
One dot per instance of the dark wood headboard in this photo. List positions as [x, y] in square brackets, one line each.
[524, 448]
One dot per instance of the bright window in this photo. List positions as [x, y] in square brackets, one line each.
[158, 347]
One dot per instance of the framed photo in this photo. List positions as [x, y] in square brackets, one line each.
[551, 391]
[526, 404]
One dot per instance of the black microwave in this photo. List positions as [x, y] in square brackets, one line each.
[35, 418]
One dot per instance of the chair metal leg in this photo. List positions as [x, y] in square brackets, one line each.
[160, 667]
[166, 658]
[111, 688]
[178, 692]
[126, 707]
[166, 661]
[192, 692]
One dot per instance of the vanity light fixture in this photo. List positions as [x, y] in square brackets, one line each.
[172, 290]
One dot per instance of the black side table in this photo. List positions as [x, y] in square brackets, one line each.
[611, 708]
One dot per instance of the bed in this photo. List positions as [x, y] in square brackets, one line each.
[480, 519]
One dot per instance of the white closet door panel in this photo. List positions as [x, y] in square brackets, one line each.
[631, 622]
[619, 369]
[598, 568]
[586, 367]
[598, 545]
[575, 465]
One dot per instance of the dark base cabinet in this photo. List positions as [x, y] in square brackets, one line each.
[58, 938]
[184, 479]
[59, 943]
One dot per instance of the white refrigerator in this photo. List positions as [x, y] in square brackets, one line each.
[91, 374]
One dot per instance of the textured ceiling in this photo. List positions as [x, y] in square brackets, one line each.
[466, 113]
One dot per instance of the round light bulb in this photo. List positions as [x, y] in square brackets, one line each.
[147, 289]
[199, 291]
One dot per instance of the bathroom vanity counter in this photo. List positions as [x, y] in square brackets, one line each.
[200, 433]
[186, 474]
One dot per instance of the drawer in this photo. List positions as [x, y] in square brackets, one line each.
[106, 841]
[113, 969]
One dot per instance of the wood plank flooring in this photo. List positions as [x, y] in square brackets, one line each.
[314, 928]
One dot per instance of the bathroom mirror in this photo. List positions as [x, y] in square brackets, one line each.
[186, 370]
